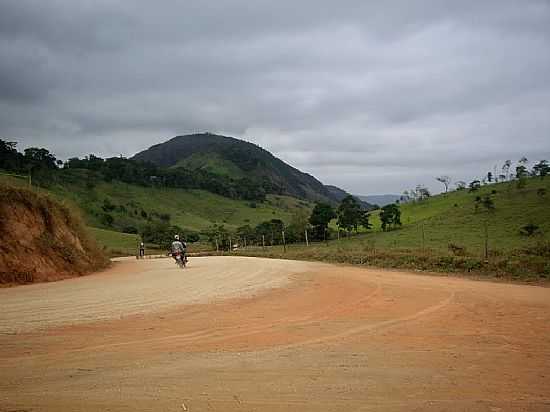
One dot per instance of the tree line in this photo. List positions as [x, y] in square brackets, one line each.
[304, 226]
[505, 173]
[45, 168]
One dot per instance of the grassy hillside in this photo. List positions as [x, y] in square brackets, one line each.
[452, 218]
[454, 235]
[133, 206]
[213, 163]
[189, 209]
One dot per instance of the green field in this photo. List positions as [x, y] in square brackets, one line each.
[122, 243]
[446, 233]
[452, 218]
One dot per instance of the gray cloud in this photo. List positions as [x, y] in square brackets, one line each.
[372, 96]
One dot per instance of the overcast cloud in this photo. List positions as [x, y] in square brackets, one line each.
[372, 96]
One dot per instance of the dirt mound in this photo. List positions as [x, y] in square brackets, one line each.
[42, 240]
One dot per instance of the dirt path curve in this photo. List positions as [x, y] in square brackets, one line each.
[131, 287]
[243, 334]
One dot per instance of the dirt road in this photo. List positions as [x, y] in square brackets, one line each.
[242, 334]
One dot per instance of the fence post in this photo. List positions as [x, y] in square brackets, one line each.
[423, 237]
[486, 242]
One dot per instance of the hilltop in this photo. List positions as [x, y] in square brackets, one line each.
[237, 159]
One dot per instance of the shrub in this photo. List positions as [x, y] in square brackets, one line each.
[456, 249]
[130, 229]
[529, 229]
[106, 219]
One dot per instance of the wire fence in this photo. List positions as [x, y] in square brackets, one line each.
[26, 177]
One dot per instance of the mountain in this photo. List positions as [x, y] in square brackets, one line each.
[340, 194]
[238, 159]
[380, 200]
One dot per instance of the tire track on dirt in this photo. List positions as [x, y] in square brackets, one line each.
[383, 325]
[216, 334]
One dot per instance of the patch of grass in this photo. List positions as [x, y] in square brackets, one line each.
[213, 163]
[126, 244]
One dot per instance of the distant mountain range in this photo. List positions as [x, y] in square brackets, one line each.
[380, 200]
[238, 159]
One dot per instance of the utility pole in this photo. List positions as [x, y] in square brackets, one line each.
[230, 245]
[263, 241]
[307, 241]
[284, 241]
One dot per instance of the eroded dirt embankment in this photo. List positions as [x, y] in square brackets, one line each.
[42, 240]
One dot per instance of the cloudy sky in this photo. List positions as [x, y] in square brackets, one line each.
[373, 96]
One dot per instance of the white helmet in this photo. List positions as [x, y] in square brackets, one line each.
[177, 237]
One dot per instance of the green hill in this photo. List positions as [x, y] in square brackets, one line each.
[237, 159]
[447, 233]
[453, 218]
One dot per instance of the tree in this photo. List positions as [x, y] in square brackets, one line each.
[39, 158]
[245, 233]
[390, 216]
[10, 158]
[521, 168]
[446, 180]
[506, 169]
[422, 192]
[320, 217]
[349, 213]
[218, 236]
[541, 169]
[364, 220]
[299, 223]
[460, 185]
[474, 185]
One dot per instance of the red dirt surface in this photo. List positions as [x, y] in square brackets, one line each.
[321, 337]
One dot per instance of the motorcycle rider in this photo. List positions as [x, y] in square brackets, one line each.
[179, 246]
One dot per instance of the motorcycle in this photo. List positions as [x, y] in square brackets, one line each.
[181, 259]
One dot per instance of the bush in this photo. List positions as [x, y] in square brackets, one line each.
[456, 249]
[106, 219]
[130, 229]
[529, 229]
